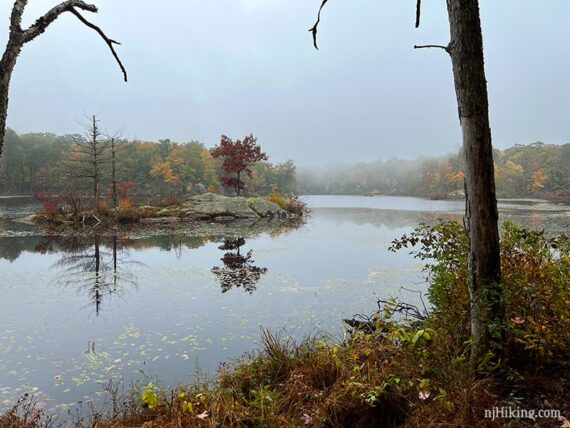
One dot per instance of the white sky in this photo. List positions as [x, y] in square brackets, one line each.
[198, 69]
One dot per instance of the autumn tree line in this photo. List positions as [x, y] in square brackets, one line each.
[55, 163]
[535, 169]
[43, 161]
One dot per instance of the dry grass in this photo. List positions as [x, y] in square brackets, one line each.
[373, 380]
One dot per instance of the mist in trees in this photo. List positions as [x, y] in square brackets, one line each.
[42, 161]
[535, 169]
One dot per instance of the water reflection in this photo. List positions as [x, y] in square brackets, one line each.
[101, 266]
[98, 266]
[239, 270]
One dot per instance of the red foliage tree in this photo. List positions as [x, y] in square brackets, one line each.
[239, 156]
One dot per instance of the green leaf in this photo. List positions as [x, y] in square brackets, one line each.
[150, 399]
[417, 336]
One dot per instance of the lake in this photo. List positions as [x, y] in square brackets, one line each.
[165, 303]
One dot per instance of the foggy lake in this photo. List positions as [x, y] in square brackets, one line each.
[79, 310]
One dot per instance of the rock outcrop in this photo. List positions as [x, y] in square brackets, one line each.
[212, 206]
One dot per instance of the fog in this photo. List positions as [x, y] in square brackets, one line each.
[198, 69]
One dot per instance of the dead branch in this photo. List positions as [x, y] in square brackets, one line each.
[16, 16]
[71, 6]
[362, 322]
[110, 42]
[314, 28]
[406, 309]
[445, 48]
[420, 295]
[418, 12]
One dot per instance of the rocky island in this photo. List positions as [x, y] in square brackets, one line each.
[207, 207]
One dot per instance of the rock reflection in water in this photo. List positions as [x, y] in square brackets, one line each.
[239, 270]
[96, 265]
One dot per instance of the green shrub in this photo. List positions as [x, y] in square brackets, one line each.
[536, 286]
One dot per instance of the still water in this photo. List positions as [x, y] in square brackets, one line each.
[131, 304]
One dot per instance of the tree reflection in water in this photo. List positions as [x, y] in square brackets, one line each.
[93, 264]
[239, 270]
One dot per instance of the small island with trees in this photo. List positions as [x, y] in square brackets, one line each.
[94, 160]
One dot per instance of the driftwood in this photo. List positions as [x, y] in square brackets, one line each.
[368, 323]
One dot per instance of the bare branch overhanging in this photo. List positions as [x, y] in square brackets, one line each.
[71, 6]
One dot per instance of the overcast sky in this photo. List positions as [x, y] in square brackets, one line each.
[200, 68]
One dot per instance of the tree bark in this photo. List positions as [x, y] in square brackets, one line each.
[238, 183]
[481, 217]
[7, 64]
[113, 172]
[95, 160]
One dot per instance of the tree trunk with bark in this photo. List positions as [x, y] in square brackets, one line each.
[95, 152]
[89, 156]
[114, 172]
[481, 217]
[7, 64]
[238, 183]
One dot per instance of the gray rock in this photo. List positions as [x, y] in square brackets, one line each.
[210, 206]
[217, 205]
[197, 216]
[266, 209]
[168, 211]
[160, 220]
[223, 218]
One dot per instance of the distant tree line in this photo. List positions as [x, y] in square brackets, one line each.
[44, 161]
[520, 171]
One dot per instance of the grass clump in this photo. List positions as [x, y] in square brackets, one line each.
[276, 197]
[292, 204]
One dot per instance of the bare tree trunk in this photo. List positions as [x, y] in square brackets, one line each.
[7, 64]
[238, 183]
[114, 172]
[94, 142]
[481, 217]
[90, 156]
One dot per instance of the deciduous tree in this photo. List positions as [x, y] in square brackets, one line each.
[239, 156]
